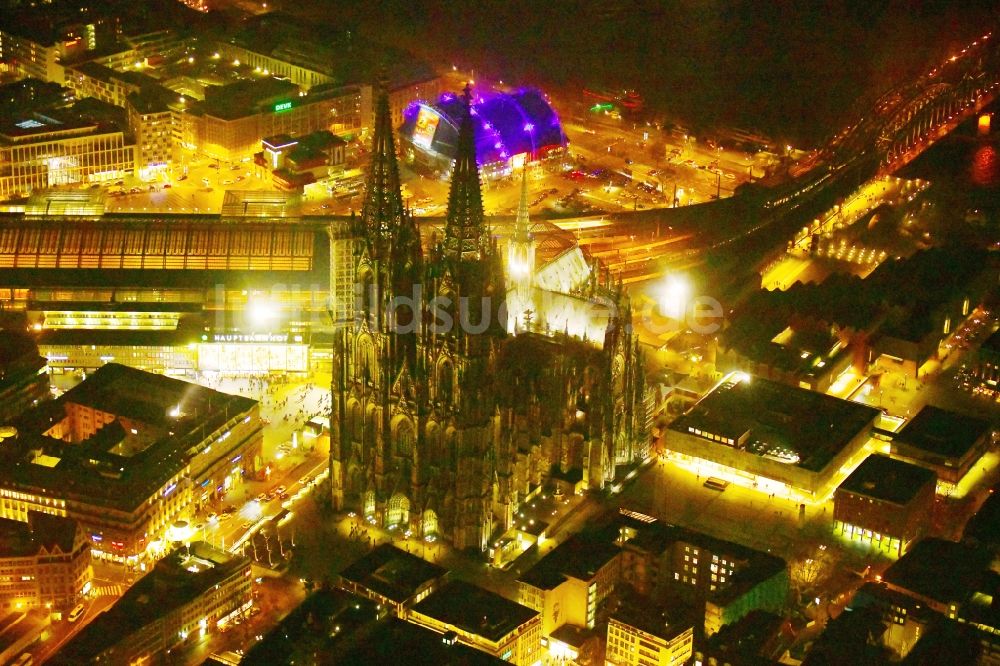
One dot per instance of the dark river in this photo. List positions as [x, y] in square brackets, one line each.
[964, 168]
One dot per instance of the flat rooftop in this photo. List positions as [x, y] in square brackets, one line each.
[310, 628]
[776, 421]
[652, 620]
[475, 610]
[746, 640]
[20, 539]
[244, 98]
[882, 478]
[116, 467]
[943, 433]
[37, 124]
[179, 578]
[754, 566]
[394, 642]
[392, 573]
[939, 569]
[577, 557]
[152, 398]
[984, 526]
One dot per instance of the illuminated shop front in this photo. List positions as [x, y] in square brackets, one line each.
[889, 545]
[253, 353]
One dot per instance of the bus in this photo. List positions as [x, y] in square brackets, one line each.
[716, 484]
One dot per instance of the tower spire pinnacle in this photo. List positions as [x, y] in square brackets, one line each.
[382, 211]
[465, 229]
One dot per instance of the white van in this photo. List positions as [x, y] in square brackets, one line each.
[76, 613]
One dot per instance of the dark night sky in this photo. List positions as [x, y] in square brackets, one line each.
[793, 69]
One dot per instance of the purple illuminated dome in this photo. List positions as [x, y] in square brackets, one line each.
[508, 125]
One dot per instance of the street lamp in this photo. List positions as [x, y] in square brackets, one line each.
[674, 296]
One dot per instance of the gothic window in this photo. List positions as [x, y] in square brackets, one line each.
[430, 524]
[399, 511]
[445, 382]
[618, 374]
[404, 438]
[366, 283]
[364, 359]
[369, 506]
[355, 422]
[434, 443]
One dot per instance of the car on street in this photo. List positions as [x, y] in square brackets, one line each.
[76, 613]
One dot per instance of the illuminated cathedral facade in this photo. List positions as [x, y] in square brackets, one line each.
[450, 409]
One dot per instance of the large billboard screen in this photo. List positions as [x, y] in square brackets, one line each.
[427, 122]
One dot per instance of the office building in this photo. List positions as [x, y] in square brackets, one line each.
[154, 119]
[571, 583]
[948, 443]
[46, 150]
[956, 581]
[190, 593]
[984, 527]
[279, 45]
[756, 639]
[321, 624]
[810, 355]
[717, 580]
[777, 438]
[127, 453]
[393, 578]
[985, 366]
[886, 503]
[232, 121]
[390, 639]
[44, 563]
[92, 79]
[24, 380]
[644, 636]
[34, 56]
[483, 620]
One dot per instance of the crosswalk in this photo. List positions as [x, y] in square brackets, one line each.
[109, 590]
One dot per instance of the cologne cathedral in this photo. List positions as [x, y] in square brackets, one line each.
[449, 412]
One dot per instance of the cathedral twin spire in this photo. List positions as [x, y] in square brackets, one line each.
[465, 234]
[382, 211]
